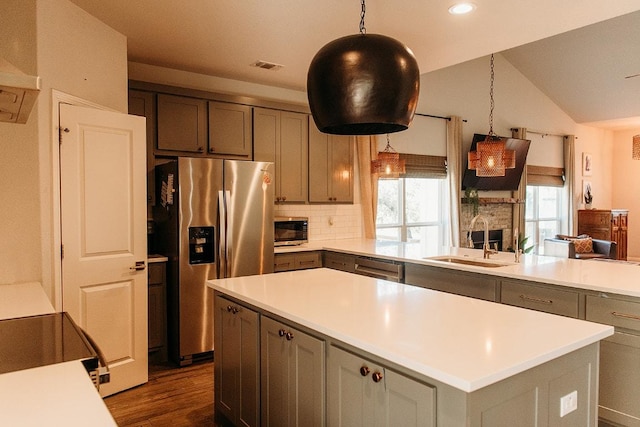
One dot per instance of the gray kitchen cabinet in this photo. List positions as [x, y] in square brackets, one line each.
[330, 167]
[363, 393]
[339, 261]
[230, 130]
[619, 358]
[282, 137]
[182, 124]
[538, 297]
[237, 362]
[453, 281]
[143, 104]
[297, 260]
[293, 376]
[157, 306]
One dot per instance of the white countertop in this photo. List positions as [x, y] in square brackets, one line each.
[463, 342]
[601, 276]
[23, 299]
[54, 395]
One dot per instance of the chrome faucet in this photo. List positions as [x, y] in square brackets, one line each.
[486, 250]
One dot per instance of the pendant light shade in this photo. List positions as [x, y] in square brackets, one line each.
[491, 157]
[388, 164]
[636, 147]
[363, 84]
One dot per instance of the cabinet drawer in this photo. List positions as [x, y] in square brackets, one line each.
[340, 262]
[308, 260]
[554, 301]
[284, 262]
[614, 312]
[595, 218]
[456, 282]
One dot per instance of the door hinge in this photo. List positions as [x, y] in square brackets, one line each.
[60, 130]
[61, 251]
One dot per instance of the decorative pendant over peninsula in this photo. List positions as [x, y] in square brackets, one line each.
[363, 84]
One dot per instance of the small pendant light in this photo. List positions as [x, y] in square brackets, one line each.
[491, 158]
[363, 84]
[388, 164]
[636, 147]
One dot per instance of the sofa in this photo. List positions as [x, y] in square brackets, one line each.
[579, 247]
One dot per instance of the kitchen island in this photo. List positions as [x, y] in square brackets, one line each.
[440, 359]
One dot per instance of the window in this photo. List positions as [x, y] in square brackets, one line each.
[543, 215]
[412, 210]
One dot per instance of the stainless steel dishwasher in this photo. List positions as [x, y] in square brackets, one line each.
[380, 269]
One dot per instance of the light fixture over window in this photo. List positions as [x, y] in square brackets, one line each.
[363, 84]
[636, 147]
[491, 158]
[388, 164]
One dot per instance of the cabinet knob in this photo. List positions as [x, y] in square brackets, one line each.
[282, 332]
[289, 336]
[200, 149]
[376, 377]
[364, 370]
[232, 309]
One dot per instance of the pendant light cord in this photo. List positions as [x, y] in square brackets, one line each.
[492, 103]
[363, 30]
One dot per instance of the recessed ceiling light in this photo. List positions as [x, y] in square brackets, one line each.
[462, 8]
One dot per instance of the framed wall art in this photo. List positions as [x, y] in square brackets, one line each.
[587, 164]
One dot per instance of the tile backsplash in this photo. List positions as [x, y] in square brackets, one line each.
[327, 221]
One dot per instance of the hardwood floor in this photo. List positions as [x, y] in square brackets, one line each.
[176, 397]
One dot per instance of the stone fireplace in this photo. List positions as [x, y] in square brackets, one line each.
[500, 218]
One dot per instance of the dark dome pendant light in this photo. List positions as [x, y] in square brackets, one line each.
[363, 84]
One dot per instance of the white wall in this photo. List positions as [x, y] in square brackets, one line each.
[73, 53]
[626, 191]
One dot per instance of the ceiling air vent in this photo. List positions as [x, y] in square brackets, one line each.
[267, 65]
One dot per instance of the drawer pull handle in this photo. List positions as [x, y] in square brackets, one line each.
[364, 370]
[625, 315]
[538, 300]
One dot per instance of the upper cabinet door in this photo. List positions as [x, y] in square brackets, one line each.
[182, 124]
[330, 167]
[230, 130]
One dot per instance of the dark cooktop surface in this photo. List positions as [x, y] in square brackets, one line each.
[29, 342]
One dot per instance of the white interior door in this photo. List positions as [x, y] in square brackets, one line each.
[103, 215]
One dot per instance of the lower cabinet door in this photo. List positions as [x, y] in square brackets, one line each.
[363, 393]
[620, 379]
[237, 363]
[293, 386]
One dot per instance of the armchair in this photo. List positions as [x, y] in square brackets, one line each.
[565, 247]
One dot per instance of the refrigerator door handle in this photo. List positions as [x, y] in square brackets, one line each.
[228, 244]
[222, 244]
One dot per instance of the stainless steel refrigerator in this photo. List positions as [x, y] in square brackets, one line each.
[213, 219]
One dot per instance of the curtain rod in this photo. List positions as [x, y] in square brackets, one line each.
[437, 117]
[540, 133]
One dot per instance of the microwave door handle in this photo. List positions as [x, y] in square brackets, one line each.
[229, 234]
[222, 244]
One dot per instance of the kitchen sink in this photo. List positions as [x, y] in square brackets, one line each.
[469, 261]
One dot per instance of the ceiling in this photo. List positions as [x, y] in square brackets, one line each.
[583, 71]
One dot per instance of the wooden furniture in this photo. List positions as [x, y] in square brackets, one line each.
[605, 225]
[182, 124]
[230, 131]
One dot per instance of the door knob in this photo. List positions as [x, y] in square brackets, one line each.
[140, 265]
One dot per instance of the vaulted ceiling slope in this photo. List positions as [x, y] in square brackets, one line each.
[224, 37]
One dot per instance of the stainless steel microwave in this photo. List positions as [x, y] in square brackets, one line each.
[290, 231]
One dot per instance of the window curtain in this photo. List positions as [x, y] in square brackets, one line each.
[569, 173]
[367, 150]
[454, 174]
[519, 209]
